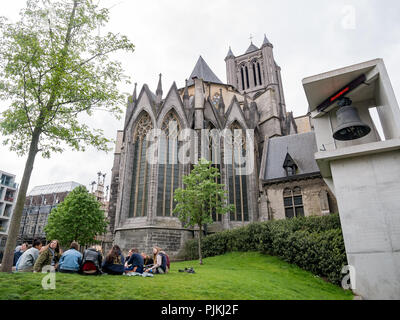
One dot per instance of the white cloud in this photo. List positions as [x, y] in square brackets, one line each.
[308, 38]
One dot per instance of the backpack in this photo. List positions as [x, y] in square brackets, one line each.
[165, 260]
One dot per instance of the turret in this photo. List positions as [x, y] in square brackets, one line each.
[159, 92]
[231, 68]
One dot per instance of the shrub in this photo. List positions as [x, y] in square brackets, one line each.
[312, 243]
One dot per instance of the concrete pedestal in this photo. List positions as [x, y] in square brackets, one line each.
[366, 179]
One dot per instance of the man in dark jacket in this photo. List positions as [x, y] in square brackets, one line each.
[91, 261]
[135, 262]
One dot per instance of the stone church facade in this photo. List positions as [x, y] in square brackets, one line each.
[141, 192]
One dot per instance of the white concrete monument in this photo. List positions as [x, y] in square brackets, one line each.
[364, 173]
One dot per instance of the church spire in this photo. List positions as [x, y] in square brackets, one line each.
[252, 47]
[230, 53]
[134, 95]
[266, 41]
[203, 71]
[186, 96]
[221, 104]
[159, 91]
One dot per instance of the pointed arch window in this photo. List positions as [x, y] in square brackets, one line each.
[247, 77]
[253, 65]
[214, 155]
[237, 181]
[293, 202]
[259, 73]
[141, 170]
[170, 171]
[242, 75]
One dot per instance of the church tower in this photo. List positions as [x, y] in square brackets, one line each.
[256, 74]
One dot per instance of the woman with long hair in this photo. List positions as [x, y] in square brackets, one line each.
[49, 256]
[160, 261]
[114, 262]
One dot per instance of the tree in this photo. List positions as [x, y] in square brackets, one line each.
[78, 218]
[54, 67]
[201, 197]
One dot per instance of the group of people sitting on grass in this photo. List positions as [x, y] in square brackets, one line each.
[34, 258]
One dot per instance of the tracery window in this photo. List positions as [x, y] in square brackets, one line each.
[237, 181]
[169, 174]
[247, 77]
[253, 65]
[214, 152]
[141, 169]
[293, 202]
[242, 76]
[259, 73]
[215, 100]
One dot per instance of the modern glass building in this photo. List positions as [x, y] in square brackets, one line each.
[8, 197]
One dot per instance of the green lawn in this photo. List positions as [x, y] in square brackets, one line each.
[234, 276]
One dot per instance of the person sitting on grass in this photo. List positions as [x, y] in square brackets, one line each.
[160, 261]
[135, 262]
[91, 261]
[26, 262]
[147, 260]
[49, 256]
[114, 262]
[71, 259]
[19, 251]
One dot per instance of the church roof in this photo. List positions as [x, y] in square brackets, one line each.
[251, 48]
[300, 147]
[230, 53]
[203, 71]
[266, 41]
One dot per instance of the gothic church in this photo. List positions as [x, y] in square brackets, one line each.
[141, 203]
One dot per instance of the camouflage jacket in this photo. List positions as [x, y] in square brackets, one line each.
[45, 260]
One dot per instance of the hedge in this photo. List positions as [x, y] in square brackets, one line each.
[312, 243]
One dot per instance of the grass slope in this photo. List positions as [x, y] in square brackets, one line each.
[234, 276]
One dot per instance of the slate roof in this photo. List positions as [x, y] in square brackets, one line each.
[203, 71]
[301, 147]
[251, 48]
[54, 188]
[230, 53]
[266, 41]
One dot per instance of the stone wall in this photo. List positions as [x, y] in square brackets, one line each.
[144, 239]
[313, 198]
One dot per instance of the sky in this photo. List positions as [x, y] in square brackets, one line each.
[309, 37]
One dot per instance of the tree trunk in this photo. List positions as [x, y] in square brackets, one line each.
[33, 150]
[200, 257]
[19, 207]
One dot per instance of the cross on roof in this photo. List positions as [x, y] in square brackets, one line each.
[251, 37]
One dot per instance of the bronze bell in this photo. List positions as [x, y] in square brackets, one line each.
[350, 126]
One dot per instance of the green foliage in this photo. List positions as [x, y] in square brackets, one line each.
[78, 218]
[201, 196]
[312, 243]
[54, 66]
[233, 276]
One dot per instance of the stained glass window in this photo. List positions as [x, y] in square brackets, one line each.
[236, 178]
[169, 174]
[141, 169]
